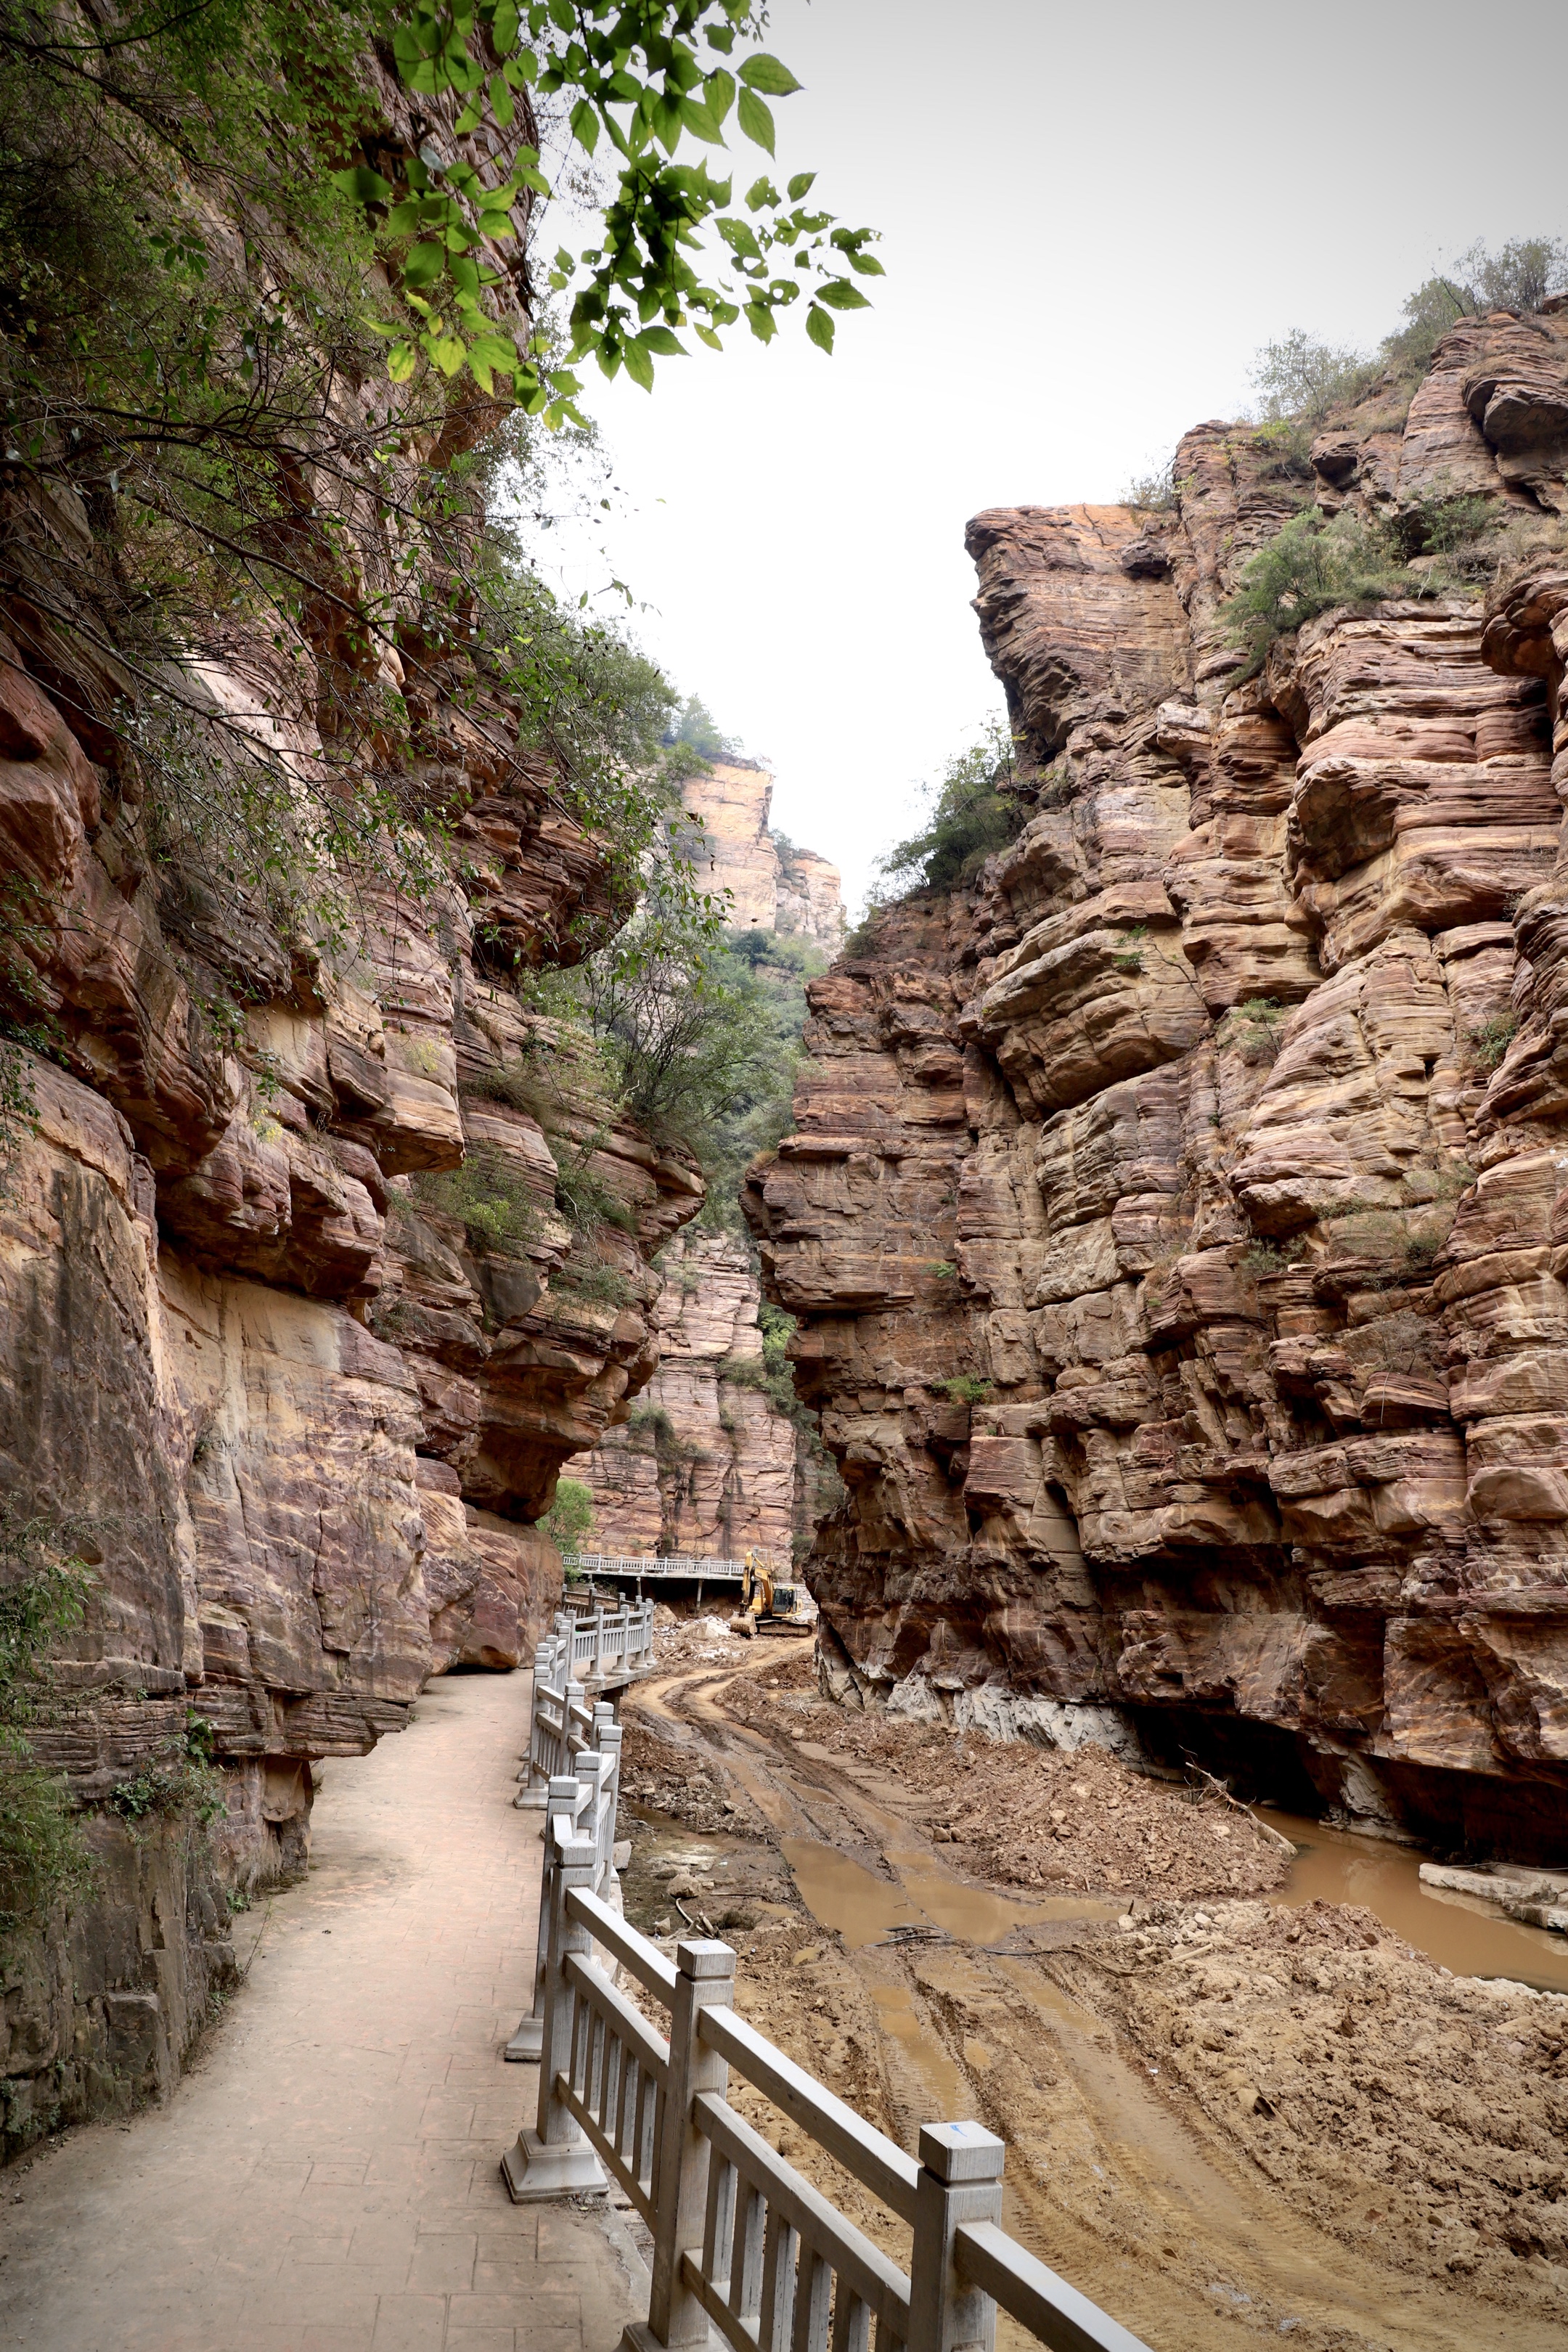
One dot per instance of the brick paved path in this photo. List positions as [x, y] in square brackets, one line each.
[327, 2179]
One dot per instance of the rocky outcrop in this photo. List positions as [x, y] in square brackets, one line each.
[293, 1335]
[1173, 1217]
[709, 1463]
[772, 885]
[297, 1417]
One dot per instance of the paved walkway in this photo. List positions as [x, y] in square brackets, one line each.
[327, 2179]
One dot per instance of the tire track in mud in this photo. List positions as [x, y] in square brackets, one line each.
[1149, 2210]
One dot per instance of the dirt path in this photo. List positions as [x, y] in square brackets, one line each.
[1175, 2195]
[327, 2179]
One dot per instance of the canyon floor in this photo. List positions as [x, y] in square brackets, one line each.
[1225, 2116]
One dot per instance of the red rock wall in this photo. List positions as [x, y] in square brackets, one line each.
[1187, 1148]
[706, 1464]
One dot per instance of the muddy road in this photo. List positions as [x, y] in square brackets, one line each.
[1226, 2116]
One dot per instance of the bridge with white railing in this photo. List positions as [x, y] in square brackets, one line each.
[618, 1568]
[744, 2245]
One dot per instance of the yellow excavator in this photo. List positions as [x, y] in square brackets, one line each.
[767, 1607]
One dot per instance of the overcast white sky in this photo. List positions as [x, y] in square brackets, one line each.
[1091, 217]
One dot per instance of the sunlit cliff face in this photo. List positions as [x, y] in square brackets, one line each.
[1172, 1216]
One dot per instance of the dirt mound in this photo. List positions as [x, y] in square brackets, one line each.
[1382, 2095]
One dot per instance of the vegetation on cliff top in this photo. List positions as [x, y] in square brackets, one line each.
[976, 807]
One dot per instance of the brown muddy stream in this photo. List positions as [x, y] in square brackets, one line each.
[1458, 1931]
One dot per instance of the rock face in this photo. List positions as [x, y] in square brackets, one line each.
[1176, 1218]
[774, 885]
[298, 1404]
[708, 1464]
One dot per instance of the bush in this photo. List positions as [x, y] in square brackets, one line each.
[1155, 493]
[492, 1202]
[964, 1389]
[594, 1279]
[1308, 567]
[1490, 1039]
[1253, 1028]
[569, 1521]
[180, 1782]
[1518, 276]
[975, 810]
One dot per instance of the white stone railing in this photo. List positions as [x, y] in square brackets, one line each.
[584, 1795]
[681, 1564]
[598, 1648]
[742, 2242]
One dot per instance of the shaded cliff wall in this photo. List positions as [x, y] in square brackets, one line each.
[1176, 1219]
[774, 885]
[299, 1405]
[302, 1417]
[708, 1463]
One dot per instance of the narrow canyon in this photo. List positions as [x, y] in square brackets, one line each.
[1124, 1275]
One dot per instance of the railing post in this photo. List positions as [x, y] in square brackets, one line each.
[960, 2181]
[560, 1799]
[532, 1797]
[553, 2159]
[706, 1980]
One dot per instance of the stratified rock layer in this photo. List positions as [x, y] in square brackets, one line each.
[706, 1463]
[1176, 1219]
[772, 886]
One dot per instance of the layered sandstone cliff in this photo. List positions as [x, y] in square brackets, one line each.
[774, 885]
[303, 1416]
[296, 1329]
[1176, 1219]
[709, 1463]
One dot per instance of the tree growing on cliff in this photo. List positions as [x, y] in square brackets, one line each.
[977, 806]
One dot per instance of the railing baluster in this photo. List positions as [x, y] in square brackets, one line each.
[746, 2253]
[718, 2226]
[781, 2254]
[813, 2295]
[851, 2321]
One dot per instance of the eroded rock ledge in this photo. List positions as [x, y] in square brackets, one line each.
[1178, 1220]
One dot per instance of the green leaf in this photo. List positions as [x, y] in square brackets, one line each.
[586, 126]
[448, 352]
[755, 120]
[497, 351]
[706, 335]
[738, 237]
[766, 73]
[867, 264]
[760, 195]
[660, 339]
[400, 362]
[801, 185]
[640, 363]
[819, 327]
[839, 295]
[719, 91]
[365, 186]
[504, 26]
[760, 320]
[425, 265]
[700, 122]
[501, 103]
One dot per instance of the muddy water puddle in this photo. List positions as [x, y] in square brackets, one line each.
[1458, 1931]
[862, 1907]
